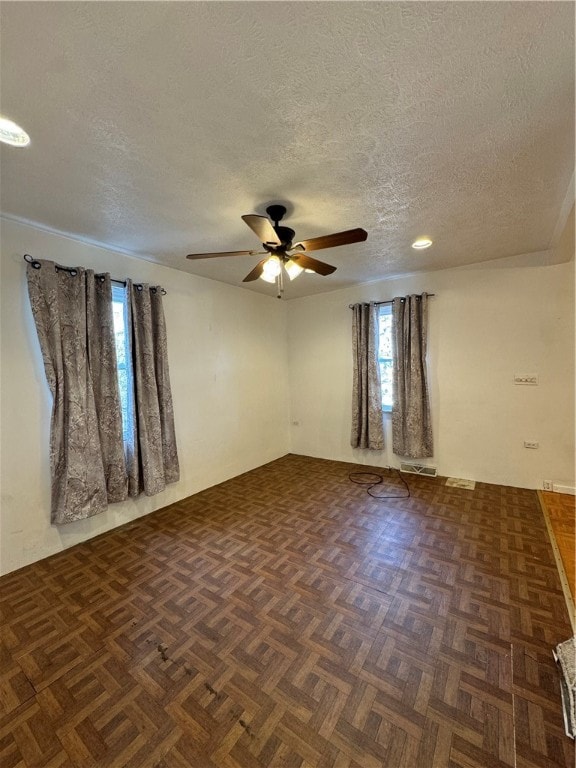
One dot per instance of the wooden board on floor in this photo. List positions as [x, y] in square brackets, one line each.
[560, 515]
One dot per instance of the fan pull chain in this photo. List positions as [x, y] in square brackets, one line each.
[280, 283]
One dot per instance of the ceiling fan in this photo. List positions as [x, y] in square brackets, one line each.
[280, 252]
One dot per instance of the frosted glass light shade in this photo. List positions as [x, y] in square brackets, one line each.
[272, 267]
[293, 269]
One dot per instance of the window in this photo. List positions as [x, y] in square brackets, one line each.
[123, 358]
[385, 355]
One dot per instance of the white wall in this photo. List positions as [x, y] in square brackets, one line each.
[486, 323]
[228, 368]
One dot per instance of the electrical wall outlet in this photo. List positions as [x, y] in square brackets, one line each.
[531, 444]
[547, 485]
[526, 378]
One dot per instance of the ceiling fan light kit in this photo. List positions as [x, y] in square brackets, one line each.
[279, 250]
[271, 267]
[293, 269]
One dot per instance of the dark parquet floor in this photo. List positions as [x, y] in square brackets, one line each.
[285, 619]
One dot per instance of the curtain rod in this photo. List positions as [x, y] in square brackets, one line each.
[73, 271]
[390, 301]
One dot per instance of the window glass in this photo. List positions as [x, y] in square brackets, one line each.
[385, 355]
[123, 358]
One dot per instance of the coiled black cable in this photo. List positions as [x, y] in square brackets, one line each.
[356, 477]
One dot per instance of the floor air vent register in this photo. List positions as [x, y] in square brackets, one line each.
[418, 469]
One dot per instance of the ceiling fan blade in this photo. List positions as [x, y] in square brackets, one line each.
[263, 228]
[307, 262]
[331, 241]
[224, 253]
[256, 272]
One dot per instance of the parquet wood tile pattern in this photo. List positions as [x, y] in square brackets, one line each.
[284, 619]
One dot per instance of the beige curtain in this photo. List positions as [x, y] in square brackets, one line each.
[86, 453]
[155, 460]
[367, 419]
[90, 465]
[411, 420]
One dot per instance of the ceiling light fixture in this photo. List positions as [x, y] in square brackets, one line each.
[421, 243]
[267, 278]
[12, 134]
[292, 268]
[271, 268]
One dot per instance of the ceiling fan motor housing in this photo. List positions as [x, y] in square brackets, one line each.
[285, 234]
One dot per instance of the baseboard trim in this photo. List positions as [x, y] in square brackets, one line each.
[564, 489]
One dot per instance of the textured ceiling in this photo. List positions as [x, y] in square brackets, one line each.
[155, 126]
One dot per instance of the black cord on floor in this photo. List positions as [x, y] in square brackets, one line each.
[372, 479]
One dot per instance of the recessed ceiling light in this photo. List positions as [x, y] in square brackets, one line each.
[12, 134]
[422, 242]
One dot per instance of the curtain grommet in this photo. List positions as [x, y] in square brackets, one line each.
[32, 261]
